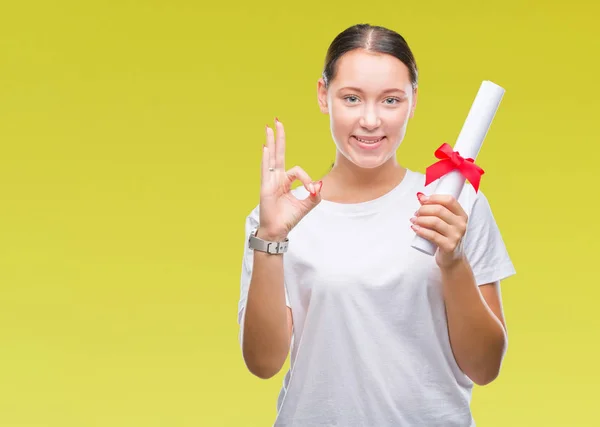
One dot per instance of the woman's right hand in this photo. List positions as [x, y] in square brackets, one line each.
[280, 210]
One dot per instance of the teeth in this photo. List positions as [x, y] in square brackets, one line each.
[369, 142]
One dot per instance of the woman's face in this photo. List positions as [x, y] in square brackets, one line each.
[369, 102]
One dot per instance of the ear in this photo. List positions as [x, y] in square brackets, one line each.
[414, 104]
[322, 96]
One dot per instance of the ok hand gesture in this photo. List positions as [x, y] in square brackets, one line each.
[280, 210]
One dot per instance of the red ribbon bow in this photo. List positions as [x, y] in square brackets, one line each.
[451, 160]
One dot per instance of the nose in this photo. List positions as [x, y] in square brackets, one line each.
[369, 118]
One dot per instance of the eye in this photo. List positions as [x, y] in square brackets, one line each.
[395, 101]
[353, 99]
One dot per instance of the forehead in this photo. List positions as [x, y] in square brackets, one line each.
[370, 70]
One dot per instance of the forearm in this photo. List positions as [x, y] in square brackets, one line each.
[477, 337]
[265, 342]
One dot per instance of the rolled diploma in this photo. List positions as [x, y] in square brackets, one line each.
[467, 145]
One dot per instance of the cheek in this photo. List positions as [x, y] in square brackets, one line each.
[342, 120]
[398, 119]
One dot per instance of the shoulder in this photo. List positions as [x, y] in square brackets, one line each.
[253, 217]
[470, 199]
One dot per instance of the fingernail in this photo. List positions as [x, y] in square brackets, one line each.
[413, 219]
[320, 185]
[416, 213]
[414, 226]
[311, 188]
[419, 195]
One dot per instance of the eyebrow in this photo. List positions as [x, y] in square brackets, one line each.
[355, 89]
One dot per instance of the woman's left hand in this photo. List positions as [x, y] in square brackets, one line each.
[442, 220]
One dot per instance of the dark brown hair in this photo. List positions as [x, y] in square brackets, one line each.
[372, 38]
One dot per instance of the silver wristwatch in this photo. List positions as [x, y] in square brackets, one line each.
[273, 248]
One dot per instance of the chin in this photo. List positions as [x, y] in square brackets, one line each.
[368, 162]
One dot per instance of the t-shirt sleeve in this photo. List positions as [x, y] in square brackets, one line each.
[247, 263]
[483, 244]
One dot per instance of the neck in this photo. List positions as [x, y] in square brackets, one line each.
[348, 183]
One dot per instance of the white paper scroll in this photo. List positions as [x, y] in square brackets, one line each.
[467, 145]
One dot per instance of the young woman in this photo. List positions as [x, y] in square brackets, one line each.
[380, 333]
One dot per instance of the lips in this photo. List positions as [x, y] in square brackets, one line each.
[368, 139]
[370, 143]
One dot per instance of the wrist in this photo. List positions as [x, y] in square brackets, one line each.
[448, 266]
[269, 236]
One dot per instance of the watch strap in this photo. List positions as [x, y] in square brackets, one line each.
[273, 248]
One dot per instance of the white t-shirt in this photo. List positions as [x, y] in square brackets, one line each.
[370, 345]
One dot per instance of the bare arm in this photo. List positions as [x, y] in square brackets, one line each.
[267, 322]
[267, 325]
[475, 323]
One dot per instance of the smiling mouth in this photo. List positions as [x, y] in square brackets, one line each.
[371, 140]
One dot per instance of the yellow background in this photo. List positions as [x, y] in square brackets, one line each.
[130, 137]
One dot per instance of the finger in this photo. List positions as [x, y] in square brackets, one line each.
[438, 211]
[279, 145]
[434, 223]
[441, 213]
[445, 200]
[297, 173]
[264, 164]
[270, 147]
[429, 234]
[444, 243]
[314, 199]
